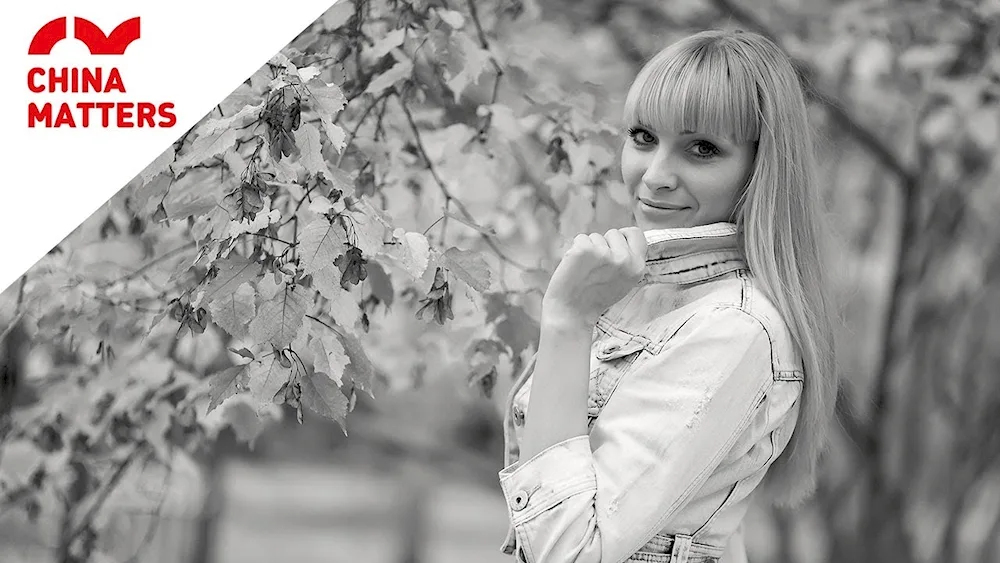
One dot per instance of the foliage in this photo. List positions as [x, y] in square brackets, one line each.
[355, 189]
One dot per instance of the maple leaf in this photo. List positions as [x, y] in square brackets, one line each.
[232, 272]
[150, 194]
[243, 202]
[226, 383]
[232, 311]
[454, 19]
[469, 266]
[410, 251]
[311, 150]
[265, 379]
[327, 101]
[260, 222]
[235, 121]
[361, 370]
[386, 44]
[366, 229]
[207, 146]
[247, 424]
[329, 355]
[342, 304]
[160, 165]
[320, 243]
[338, 15]
[323, 396]
[475, 60]
[278, 319]
[400, 71]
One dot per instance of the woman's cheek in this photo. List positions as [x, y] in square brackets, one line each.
[632, 169]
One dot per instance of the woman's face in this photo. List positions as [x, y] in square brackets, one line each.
[683, 179]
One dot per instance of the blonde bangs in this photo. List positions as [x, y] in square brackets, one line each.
[698, 87]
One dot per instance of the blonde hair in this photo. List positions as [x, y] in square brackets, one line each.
[742, 86]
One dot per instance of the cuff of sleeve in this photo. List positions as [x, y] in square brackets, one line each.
[553, 475]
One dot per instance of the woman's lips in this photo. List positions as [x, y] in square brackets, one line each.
[661, 206]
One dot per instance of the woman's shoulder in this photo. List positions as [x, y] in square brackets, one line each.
[742, 297]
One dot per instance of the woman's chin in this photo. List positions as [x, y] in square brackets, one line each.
[653, 219]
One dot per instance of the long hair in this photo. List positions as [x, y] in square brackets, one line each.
[742, 86]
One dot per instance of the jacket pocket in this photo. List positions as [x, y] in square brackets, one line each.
[612, 355]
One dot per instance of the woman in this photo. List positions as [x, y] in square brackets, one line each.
[682, 359]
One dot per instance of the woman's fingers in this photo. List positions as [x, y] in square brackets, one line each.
[619, 246]
[600, 243]
[636, 242]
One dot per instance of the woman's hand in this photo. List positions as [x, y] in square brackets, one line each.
[595, 273]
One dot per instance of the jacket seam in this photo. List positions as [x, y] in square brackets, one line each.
[685, 494]
[726, 503]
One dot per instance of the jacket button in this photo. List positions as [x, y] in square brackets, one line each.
[520, 500]
[518, 415]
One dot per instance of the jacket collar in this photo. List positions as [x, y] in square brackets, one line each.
[692, 254]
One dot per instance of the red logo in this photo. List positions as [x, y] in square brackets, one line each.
[86, 31]
[98, 81]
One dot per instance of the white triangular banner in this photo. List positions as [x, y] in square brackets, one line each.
[189, 54]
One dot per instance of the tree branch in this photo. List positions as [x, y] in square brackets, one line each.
[447, 193]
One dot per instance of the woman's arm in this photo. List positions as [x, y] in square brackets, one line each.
[594, 274]
[557, 410]
[671, 420]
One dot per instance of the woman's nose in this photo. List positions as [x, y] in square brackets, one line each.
[661, 172]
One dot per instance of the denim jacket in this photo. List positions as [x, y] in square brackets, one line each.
[694, 389]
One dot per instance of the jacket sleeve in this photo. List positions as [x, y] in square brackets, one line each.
[667, 426]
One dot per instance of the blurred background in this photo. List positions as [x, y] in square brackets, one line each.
[904, 99]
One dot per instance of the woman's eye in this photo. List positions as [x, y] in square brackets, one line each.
[641, 136]
[704, 149]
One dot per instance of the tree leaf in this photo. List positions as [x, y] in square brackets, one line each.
[411, 252]
[260, 222]
[311, 150]
[386, 44]
[265, 379]
[279, 318]
[321, 395]
[147, 197]
[469, 266]
[233, 271]
[319, 245]
[244, 353]
[343, 306]
[328, 100]
[338, 15]
[244, 420]
[367, 228]
[226, 383]
[361, 370]
[329, 355]
[207, 146]
[232, 311]
[475, 60]
[159, 165]
[239, 119]
[400, 71]
[454, 19]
